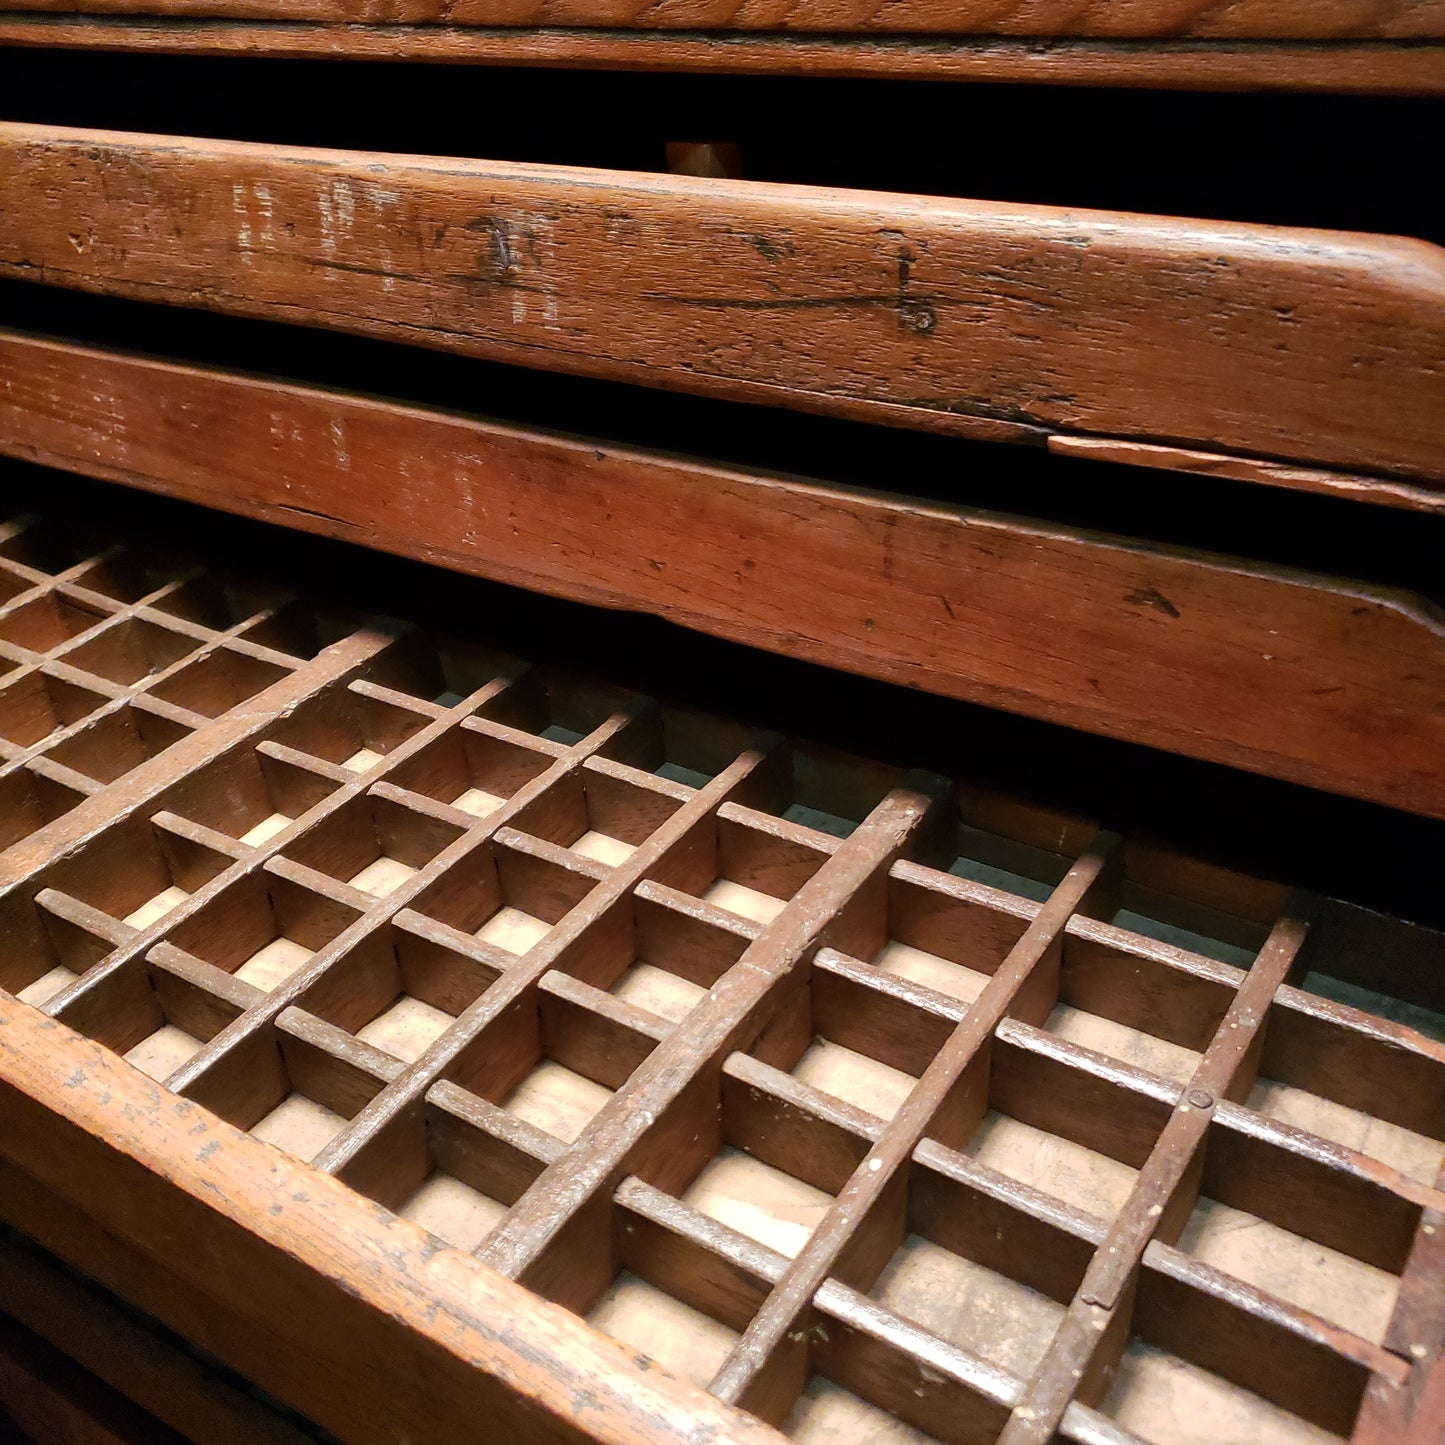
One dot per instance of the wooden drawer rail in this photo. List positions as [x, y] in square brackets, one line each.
[1338, 20]
[1004, 321]
[841, 1093]
[1328, 683]
[1381, 67]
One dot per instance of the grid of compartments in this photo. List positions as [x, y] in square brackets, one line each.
[881, 1107]
[111, 653]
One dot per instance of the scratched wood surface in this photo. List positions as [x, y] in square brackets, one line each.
[1337, 67]
[980, 319]
[854, 1095]
[1148, 19]
[1345, 685]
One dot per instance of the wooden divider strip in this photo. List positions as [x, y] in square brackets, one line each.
[1156, 1201]
[354, 1153]
[148, 781]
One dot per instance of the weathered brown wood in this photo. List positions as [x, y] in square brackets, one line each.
[1364, 67]
[963, 317]
[1151, 19]
[141, 1363]
[367, 1321]
[1088, 1342]
[1344, 683]
[353, 1155]
[44, 1396]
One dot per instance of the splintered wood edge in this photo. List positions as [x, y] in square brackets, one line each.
[1382, 491]
[968, 583]
[401, 1327]
[1333, 67]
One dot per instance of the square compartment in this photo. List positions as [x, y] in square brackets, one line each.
[33, 705]
[474, 767]
[373, 844]
[48, 622]
[262, 929]
[130, 650]
[111, 744]
[219, 681]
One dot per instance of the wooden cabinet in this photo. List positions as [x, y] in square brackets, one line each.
[408, 1035]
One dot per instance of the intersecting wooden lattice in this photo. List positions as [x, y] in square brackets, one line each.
[875, 1106]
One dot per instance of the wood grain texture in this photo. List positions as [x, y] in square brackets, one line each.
[955, 316]
[1146, 19]
[142, 1364]
[367, 1321]
[1339, 67]
[1325, 683]
[45, 1397]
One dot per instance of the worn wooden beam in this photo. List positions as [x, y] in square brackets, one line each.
[996, 320]
[1336, 67]
[1150, 19]
[1330, 684]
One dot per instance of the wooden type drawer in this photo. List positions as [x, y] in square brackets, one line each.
[458, 1047]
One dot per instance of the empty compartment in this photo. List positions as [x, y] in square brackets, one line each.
[33, 705]
[373, 843]
[29, 800]
[262, 928]
[112, 743]
[130, 573]
[756, 866]
[677, 955]
[507, 894]
[682, 746]
[946, 935]
[137, 871]
[131, 649]
[48, 622]
[1365, 1082]
[250, 794]
[443, 671]
[349, 727]
[193, 1003]
[602, 810]
[475, 767]
[219, 681]
[396, 991]
[1320, 1235]
[1152, 1007]
[1073, 1128]
[858, 1035]
[558, 707]
[295, 1094]
[220, 602]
